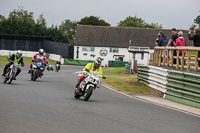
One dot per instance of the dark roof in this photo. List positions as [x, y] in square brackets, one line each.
[105, 36]
[18, 37]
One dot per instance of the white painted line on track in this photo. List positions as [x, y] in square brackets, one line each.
[152, 102]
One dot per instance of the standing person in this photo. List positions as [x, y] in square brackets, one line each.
[180, 42]
[158, 38]
[14, 59]
[173, 39]
[196, 39]
[162, 43]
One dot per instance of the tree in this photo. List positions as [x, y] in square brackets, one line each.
[196, 22]
[21, 22]
[93, 20]
[138, 22]
[69, 28]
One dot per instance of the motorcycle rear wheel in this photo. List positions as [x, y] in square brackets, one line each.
[76, 94]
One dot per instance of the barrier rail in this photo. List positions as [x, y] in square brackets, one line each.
[167, 59]
[181, 87]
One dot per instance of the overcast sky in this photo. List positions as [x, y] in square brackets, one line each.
[170, 13]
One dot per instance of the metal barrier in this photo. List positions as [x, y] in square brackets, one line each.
[177, 86]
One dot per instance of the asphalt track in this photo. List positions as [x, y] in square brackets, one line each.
[48, 106]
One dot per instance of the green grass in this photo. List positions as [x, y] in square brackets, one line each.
[124, 83]
[27, 60]
[114, 71]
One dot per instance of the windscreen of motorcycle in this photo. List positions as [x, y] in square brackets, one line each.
[95, 74]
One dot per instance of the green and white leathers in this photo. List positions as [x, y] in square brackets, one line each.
[17, 60]
[90, 66]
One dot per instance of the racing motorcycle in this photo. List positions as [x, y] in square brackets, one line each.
[50, 68]
[88, 85]
[11, 72]
[57, 67]
[37, 69]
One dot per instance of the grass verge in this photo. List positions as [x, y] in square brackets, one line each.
[118, 80]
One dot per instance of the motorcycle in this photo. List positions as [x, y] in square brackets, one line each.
[88, 85]
[49, 68]
[57, 67]
[11, 72]
[37, 69]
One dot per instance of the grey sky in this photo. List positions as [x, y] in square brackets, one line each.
[169, 13]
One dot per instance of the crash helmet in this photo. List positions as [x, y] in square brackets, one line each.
[41, 51]
[19, 53]
[97, 63]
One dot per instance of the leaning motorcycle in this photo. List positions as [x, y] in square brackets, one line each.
[11, 72]
[88, 85]
[37, 69]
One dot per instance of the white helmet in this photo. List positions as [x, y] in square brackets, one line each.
[97, 62]
[19, 53]
[41, 51]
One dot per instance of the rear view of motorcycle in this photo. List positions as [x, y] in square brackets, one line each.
[57, 67]
[88, 85]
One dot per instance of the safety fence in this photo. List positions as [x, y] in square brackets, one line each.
[77, 62]
[31, 54]
[181, 87]
[117, 63]
[172, 56]
[55, 57]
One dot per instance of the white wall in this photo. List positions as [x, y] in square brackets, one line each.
[109, 56]
[31, 54]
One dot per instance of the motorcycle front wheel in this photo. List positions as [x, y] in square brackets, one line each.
[35, 75]
[11, 76]
[88, 93]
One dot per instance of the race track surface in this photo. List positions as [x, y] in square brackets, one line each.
[48, 106]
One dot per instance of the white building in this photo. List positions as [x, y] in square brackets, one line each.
[114, 43]
[109, 54]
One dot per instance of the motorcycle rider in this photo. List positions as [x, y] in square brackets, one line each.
[40, 55]
[14, 58]
[58, 62]
[49, 66]
[96, 66]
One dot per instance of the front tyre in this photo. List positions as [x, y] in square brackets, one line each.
[35, 75]
[88, 93]
[11, 77]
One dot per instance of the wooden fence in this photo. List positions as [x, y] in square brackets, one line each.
[165, 56]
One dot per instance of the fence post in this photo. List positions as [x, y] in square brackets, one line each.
[188, 60]
[160, 54]
[167, 57]
[172, 58]
[196, 60]
[182, 60]
[177, 60]
[164, 57]
[154, 59]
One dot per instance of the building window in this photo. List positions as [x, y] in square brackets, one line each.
[114, 50]
[87, 48]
